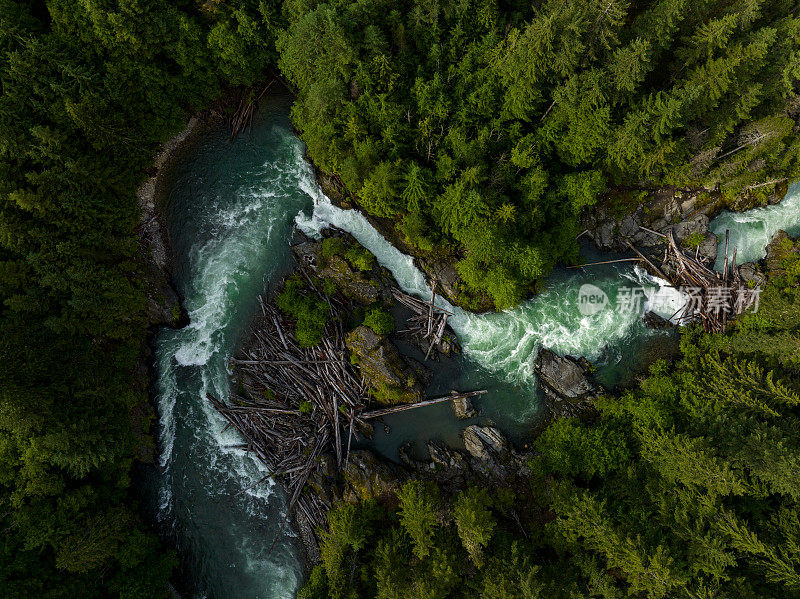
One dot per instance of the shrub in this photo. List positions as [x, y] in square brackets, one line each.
[694, 240]
[380, 321]
[309, 312]
[360, 258]
[333, 246]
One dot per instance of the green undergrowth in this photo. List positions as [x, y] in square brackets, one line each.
[306, 308]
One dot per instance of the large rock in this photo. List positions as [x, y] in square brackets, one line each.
[463, 409]
[653, 321]
[752, 275]
[567, 383]
[708, 248]
[612, 228]
[484, 442]
[777, 254]
[369, 477]
[697, 225]
[389, 376]
[363, 287]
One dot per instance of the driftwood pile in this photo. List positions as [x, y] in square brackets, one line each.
[429, 321]
[300, 403]
[712, 297]
[242, 118]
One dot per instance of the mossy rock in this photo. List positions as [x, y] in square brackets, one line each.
[369, 477]
[390, 379]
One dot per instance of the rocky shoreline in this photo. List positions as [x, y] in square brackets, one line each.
[164, 305]
[488, 457]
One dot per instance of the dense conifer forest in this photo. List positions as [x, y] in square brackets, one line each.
[480, 130]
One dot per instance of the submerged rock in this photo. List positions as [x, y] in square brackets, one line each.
[567, 383]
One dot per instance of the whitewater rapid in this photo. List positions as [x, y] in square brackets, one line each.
[506, 342]
[751, 231]
[231, 209]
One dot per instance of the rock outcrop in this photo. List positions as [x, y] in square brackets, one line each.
[488, 457]
[369, 477]
[777, 252]
[463, 409]
[163, 303]
[391, 377]
[567, 383]
[654, 321]
[364, 287]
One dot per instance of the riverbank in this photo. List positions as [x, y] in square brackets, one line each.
[621, 218]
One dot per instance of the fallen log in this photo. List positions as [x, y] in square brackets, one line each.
[412, 406]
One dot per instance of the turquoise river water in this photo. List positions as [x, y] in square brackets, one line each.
[232, 210]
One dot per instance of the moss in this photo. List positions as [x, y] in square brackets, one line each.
[333, 246]
[306, 407]
[694, 240]
[175, 312]
[380, 364]
[360, 258]
[328, 287]
[380, 321]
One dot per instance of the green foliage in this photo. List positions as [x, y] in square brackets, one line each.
[685, 486]
[419, 502]
[694, 240]
[380, 321]
[333, 246]
[464, 116]
[360, 258]
[309, 311]
[474, 521]
[89, 92]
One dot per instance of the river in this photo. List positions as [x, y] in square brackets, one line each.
[232, 210]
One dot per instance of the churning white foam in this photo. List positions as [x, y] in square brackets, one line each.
[505, 342]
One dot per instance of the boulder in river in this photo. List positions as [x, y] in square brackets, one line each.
[463, 409]
[484, 442]
[696, 225]
[333, 264]
[568, 384]
[708, 248]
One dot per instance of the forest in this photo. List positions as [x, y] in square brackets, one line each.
[477, 129]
